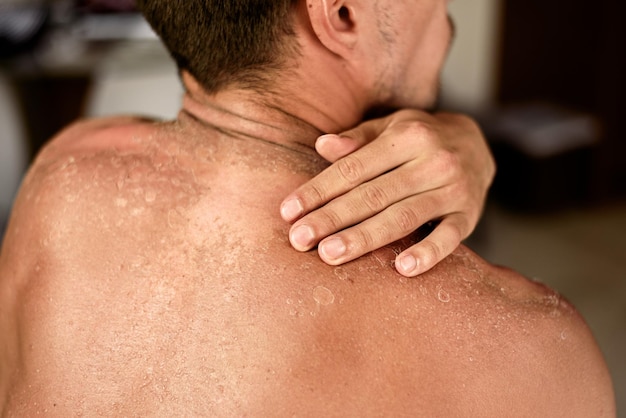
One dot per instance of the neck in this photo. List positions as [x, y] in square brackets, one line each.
[243, 114]
[293, 116]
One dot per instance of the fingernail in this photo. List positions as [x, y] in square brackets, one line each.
[408, 263]
[326, 137]
[333, 248]
[302, 237]
[291, 209]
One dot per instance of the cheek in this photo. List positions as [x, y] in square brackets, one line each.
[431, 34]
[436, 44]
[427, 60]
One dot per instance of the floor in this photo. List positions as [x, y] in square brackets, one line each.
[579, 252]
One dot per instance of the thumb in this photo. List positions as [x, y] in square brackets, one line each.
[335, 146]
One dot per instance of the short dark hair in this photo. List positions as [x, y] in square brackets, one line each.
[226, 42]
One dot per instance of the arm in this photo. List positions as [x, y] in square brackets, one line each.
[391, 176]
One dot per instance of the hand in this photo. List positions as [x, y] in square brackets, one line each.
[391, 176]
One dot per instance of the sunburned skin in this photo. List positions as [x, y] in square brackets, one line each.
[146, 272]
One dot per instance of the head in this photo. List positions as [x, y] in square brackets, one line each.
[416, 36]
[393, 49]
[398, 47]
[228, 42]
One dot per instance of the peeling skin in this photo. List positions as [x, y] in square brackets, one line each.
[443, 296]
[323, 296]
[167, 283]
[341, 273]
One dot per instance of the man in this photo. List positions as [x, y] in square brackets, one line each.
[146, 271]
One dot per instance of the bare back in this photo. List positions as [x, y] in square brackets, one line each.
[146, 272]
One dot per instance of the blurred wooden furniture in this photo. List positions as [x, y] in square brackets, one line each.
[572, 54]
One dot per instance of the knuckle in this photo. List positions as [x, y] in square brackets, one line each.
[459, 191]
[374, 197]
[469, 123]
[431, 252]
[362, 240]
[421, 132]
[463, 121]
[313, 195]
[328, 221]
[351, 169]
[462, 228]
[448, 162]
[449, 159]
[406, 220]
[455, 231]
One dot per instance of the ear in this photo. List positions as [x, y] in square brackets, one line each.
[334, 24]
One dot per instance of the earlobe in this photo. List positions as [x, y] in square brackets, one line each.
[333, 22]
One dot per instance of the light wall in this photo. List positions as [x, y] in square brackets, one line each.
[12, 147]
[468, 81]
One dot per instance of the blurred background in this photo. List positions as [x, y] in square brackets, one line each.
[544, 78]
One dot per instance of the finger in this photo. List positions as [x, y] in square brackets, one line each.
[392, 224]
[346, 174]
[440, 243]
[363, 202]
[333, 147]
[371, 129]
[399, 142]
[367, 131]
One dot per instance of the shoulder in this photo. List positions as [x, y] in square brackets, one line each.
[495, 340]
[95, 184]
[48, 218]
[76, 162]
[99, 133]
[81, 144]
[96, 157]
[101, 208]
[538, 342]
[485, 339]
